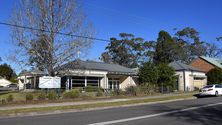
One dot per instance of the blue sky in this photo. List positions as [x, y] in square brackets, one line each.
[144, 18]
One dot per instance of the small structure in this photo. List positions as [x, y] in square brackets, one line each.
[188, 78]
[29, 79]
[206, 63]
[4, 82]
[80, 73]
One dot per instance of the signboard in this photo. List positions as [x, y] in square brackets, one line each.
[49, 82]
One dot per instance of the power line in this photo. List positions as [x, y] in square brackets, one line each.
[61, 33]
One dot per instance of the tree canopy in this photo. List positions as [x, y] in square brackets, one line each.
[52, 43]
[214, 76]
[127, 51]
[6, 71]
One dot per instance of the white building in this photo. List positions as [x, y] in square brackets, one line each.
[29, 79]
[188, 77]
[90, 73]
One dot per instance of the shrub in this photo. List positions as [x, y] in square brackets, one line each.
[214, 76]
[29, 97]
[3, 101]
[10, 98]
[116, 92]
[91, 88]
[99, 93]
[148, 89]
[52, 95]
[42, 96]
[148, 73]
[132, 90]
[75, 93]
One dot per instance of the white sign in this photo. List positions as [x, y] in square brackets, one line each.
[49, 82]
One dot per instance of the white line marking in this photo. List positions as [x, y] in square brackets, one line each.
[154, 115]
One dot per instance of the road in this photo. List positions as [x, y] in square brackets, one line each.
[204, 111]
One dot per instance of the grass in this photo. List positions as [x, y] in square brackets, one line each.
[88, 106]
[18, 96]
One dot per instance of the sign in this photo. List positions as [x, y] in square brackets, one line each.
[49, 82]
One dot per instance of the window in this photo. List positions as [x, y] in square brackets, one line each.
[78, 81]
[93, 81]
[114, 84]
[218, 86]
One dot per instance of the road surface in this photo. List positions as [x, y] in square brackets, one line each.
[204, 111]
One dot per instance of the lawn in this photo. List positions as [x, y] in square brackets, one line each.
[96, 105]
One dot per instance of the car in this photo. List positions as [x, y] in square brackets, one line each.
[12, 87]
[214, 90]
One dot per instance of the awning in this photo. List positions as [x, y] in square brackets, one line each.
[199, 76]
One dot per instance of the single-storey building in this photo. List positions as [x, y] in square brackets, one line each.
[206, 63]
[188, 78]
[29, 79]
[80, 73]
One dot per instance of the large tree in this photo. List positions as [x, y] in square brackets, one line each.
[192, 45]
[127, 51]
[165, 48]
[49, 37]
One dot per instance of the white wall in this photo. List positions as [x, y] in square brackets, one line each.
[128, 81]
[189, 79]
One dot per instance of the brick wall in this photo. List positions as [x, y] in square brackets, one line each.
[202, 65]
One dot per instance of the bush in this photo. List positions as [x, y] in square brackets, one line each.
[10, 98]
[42, 96]
[91, 88]
[29, 97]
[148, 73]
[214, 76]
[52, 95]
[116, 92]
[132, 90]
[99, 93]
[148, 89]
[75, 93]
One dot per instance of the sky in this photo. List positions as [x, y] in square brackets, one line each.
[143, 18]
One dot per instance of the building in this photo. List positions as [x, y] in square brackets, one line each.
[80, 73]
[188, 78]
[206, 63]
[29, 79]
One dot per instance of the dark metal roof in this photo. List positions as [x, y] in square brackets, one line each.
[178, 66]
[32, 72]
[100, 66]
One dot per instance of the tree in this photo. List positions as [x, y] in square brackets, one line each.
[43, 46]
[160, 75]
[193, 46]
[214, 76]
[167, 76]
[148, 73]
[164, 49]
[127, 51]
[6, 71]
[212, 50]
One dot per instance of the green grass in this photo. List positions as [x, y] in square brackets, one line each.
[88, 106]
[18, 96]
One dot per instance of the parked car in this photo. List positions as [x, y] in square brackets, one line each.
[12, 87]
[214, 89]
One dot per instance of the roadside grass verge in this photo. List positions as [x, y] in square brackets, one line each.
[91, 106]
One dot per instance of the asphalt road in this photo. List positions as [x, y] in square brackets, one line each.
[204, 111]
